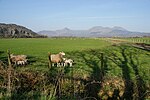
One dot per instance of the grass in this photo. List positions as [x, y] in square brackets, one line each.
[96, 60]
[37, 49]
[75, 48]
[40, 46]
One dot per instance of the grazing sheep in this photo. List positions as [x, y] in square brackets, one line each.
[57, 58]
[18, 59]
[68, 62]
[22, 62]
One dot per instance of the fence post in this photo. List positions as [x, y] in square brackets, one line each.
[9, 71]
[49, 61]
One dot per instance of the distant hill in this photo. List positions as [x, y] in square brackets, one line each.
[97, 31]
[17, 31]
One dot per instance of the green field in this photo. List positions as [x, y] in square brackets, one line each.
[55, 45]
[37, 49]
[100, 67]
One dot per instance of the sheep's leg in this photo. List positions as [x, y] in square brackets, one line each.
[17, 63]
[64, 64]
[61, 64]
[53, 64]
[20, 63]
[58, 64]
[70, 64]
[23, 63]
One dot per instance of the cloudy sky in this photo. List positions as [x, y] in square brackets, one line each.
[40, 15]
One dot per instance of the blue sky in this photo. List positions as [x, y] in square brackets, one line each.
[39, 15]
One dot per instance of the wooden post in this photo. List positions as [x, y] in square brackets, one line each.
[49, 61]
[59, 86]
[9, 71]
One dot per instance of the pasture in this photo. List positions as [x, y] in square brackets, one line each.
[101, 68]
[37, 49]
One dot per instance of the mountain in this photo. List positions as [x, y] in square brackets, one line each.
[48, 33]
[16, 31]
[97, 31]
[66, 32]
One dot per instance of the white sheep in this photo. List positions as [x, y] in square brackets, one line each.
[68, 62]
[22, 62]
[57, 58]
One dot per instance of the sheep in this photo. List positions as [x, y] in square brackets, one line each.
[68, 62]
[57, 58]
[18, 59]
[18, 56]
[22, 62]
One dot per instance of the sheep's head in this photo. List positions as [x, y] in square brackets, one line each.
[62, 53]
[64, 59]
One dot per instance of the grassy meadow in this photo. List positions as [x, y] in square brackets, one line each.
[37, 49]
[101, 68]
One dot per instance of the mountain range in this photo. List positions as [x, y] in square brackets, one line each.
[17, 31]
[97, 31]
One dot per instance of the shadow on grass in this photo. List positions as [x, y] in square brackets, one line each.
[32, 59]
[1, 52]
[127, 60]
[122, 62]
[140, 84]
[95, 61]
[86, 87]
